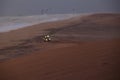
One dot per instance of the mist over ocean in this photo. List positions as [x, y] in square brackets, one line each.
[16, 22]
[15, 14]
[37, 7]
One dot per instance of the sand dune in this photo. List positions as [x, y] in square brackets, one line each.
[91, 24]
[83, 48]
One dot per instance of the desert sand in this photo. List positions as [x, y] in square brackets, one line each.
[82, 48]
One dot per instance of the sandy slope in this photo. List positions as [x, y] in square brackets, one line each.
[87, 61]
[84, 48]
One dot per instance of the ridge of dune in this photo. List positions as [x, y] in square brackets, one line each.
[99, 20]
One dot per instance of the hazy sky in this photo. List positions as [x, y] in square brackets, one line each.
[29, 7]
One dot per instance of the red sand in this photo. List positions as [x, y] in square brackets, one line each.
[87, 61]
[96, 58]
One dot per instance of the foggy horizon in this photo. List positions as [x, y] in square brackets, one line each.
[36, 7]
